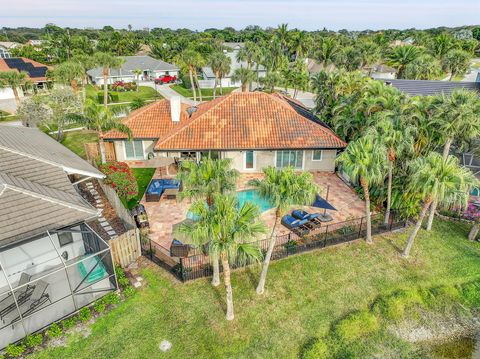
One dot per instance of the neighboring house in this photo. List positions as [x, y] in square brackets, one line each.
[6, 47]
[35, 43]
[382, 72]
[314, 67]
[209, 77]
[254, 129]
[50, 258]
[37, 74]
[430, 87]
[152, 68]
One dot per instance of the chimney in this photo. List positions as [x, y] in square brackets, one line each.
[175, 108]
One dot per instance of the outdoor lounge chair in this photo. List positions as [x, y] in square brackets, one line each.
[22, 294]
[38, 297]
[297, 226]
[311, 217]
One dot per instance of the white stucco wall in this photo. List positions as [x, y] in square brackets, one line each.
[7, 93]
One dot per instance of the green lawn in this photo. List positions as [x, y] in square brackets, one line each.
[144, 92]
[208, 93]
[305, 295]
[6, 117]
[143, 176]
[75, 140]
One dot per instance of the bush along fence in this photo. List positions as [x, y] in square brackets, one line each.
[187, 263]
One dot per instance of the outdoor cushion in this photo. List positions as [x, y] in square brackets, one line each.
[300, 214]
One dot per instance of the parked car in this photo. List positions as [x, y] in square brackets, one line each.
[166, 79]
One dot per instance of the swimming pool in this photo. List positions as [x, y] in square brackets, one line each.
[251, 195]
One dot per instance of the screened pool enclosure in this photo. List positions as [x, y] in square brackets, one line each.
[47, 277]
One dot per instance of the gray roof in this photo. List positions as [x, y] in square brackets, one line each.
[35, 192]
[34, 144]
[145, 63]
[430, 87]
[234, 64]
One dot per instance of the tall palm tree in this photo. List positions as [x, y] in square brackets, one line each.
[69, 72]
[437, 179]
[401, 56]
[248, 53]
[227, 229]
[456, 117]
[188, 59]
[283, 188]
[102, 119]
[14, 80]
[327, 51]
[201, 181]
[137, 73]
[87, 62]
[220, 65]
[244, 75]
[365, 160]
[107, 61]
[283, 36]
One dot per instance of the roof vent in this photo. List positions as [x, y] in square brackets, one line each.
[191, 110]
[388, 83]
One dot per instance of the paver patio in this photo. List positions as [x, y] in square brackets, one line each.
[163, 215]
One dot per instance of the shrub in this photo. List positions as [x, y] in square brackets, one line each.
[84, 314]
[394, 306]
[121, 277]
[120, 177]
[290, 245]
[129, 291]
[68, 323]
[54, 331]
[357, 325]
[99, 306]
[32, 340]
[137, 103]
[112, 97]
[111, 298]
[319, 350]
[15, 350]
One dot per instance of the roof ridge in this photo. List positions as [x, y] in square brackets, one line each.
[189, 123]
[141, 110]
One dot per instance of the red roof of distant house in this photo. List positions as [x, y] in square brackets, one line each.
[240, 120]
[35, 70]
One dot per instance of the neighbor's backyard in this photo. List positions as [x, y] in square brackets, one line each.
[305, 295]
[144, 92]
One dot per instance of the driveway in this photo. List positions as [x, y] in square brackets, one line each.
[167, 92]
[473, 73]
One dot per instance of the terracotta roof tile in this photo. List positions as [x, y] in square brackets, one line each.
[249, 120]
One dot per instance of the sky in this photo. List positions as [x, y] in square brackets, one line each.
[201, 14]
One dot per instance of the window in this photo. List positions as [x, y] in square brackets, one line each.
[214, 155]
[134, 150]
[317, 155]
[290, 159]
[188, 155]
[249, 160]
[65, 238]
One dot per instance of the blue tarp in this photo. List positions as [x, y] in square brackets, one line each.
[322, 203]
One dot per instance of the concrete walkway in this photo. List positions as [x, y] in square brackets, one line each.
[473, 73]
[167, 92]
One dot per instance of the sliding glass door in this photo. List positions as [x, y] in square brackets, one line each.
[289, 159]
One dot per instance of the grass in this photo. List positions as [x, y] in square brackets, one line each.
[7, 117]
[306, 296]
[205, 92]
[143, 176]
[144, 92]
[75, 140]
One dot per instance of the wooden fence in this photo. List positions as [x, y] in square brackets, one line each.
[118, 206]
[92, 151]
[126, 248]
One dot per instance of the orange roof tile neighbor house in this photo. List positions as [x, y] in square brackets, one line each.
[255, 129]
[36, 71]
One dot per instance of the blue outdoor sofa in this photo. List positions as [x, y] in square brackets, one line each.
[297, 226]
[311, 217]
[157, 186]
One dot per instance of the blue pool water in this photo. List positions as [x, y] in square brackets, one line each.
[251, 195]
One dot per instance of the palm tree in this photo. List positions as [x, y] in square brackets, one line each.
[456, 62]
[227, 229]
[201, 181]
[107, 61]
[365, 160]
[220, 65]
[137, 73]
[283, 188]
[102, 119]
[457, 117]
[188, 60]
[248, 53]
[442, 44]
[401, 56]
[14, 80]
[245, 76]
[87, 62]
[327, 51]
[437, 179]
[69, 72]
[283, 36]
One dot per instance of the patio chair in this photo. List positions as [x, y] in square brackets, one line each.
[297, 226]
[22, 294]
[313, 218]
[38, 297]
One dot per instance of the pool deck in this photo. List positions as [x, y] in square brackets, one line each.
[163, 215]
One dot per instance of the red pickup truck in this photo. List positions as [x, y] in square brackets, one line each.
[166, 79]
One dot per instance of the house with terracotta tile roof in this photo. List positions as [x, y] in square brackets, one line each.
[254, 129]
